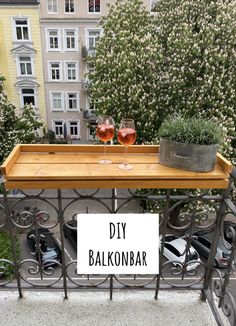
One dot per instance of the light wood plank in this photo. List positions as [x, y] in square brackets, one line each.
[10, 161]
[47, 148]
[99, 171]
[224, 163]
[65, 158]
[161, 184]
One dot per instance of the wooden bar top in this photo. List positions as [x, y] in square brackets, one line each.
[76, 166]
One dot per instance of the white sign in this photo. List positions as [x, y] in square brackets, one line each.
[118, 244]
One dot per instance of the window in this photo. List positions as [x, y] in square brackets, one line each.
[21, 29]
[52, 6]
[58, 128]
[94, 5]
[92, 107]
[55, 71]
[28, 96]
[53, 40]
[71, 71]
[90, 132]
[25, 66]
[70, 43]
[57, 101]
[92, 39]
[74, 129]
[72, 101]
[90, 68]
[69, 6]
[153, 5]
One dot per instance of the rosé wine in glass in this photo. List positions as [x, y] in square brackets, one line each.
[126, 137]
[105, 132]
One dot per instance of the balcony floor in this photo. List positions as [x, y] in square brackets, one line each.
[132, 308]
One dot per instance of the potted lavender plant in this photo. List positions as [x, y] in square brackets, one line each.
[189, 143]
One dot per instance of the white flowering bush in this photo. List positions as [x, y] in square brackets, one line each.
[198, 40]
[182, 59]
[14, 129]
[125, 78]
[28, 125]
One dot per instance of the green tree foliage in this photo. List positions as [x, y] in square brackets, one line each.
[14, 129]
[6, 252]
[182, 59]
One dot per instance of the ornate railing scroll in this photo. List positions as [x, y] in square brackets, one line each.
[220, 298]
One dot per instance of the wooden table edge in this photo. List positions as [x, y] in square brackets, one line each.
[161, 183]
[10, 160]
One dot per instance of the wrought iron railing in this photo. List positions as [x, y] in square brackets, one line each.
[182, 214]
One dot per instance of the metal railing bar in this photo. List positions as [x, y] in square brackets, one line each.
[166, 212]
[13, 242]
[61, 221]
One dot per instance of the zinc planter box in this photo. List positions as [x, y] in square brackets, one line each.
[191, 157]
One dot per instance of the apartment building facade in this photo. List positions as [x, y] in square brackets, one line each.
[43, 50]
[69, 31]
[21, 54]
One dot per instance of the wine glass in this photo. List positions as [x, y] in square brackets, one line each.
[105, 132]
[126, 137]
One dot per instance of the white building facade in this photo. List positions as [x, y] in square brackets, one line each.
[69, 31]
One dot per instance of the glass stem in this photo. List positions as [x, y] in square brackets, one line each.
[105, 150]
[126, 155]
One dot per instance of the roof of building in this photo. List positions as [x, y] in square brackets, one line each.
[19, 2]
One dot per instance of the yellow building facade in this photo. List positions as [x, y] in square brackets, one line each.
[21, 55]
